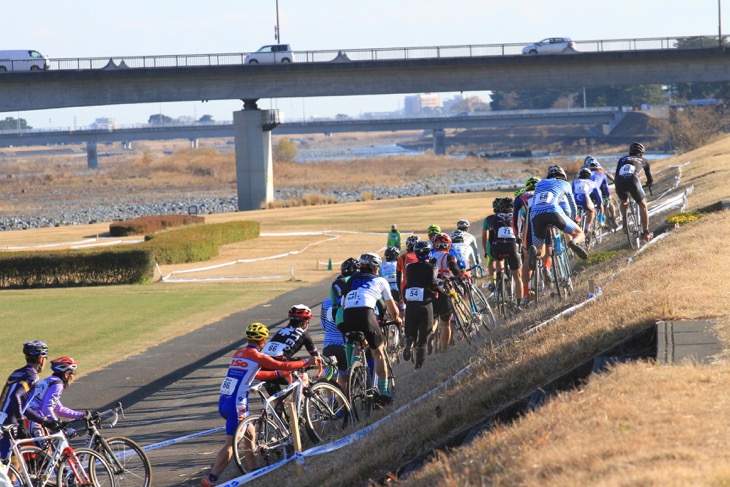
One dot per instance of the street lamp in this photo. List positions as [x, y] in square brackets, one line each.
[719, 22]
[276, 27]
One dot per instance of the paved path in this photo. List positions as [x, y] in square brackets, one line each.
[171, 390]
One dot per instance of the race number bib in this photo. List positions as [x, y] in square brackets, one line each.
[228, 387]
[505, 232]
[414, 294]
[543, 198]
[275, 349]
[353, 300]
[627, 170]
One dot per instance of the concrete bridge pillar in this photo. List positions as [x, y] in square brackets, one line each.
[92, 156]
[194, 144]
[254, 167]
[439, 142]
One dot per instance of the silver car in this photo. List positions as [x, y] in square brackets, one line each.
[274, 53]
[551, 45]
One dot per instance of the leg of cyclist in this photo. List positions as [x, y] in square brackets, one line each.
[644, 213]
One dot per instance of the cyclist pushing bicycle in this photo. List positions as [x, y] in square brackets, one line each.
[551, 196]
[246, 366]
[501, 242]
[628, 182]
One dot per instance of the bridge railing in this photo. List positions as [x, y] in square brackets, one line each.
[377, 54]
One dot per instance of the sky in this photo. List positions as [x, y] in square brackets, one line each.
[90, 28]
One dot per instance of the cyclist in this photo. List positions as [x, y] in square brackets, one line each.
[469, 239]
[334, 342]
[587, 196]
[419, 294]
[289, 340]
[501, 242]
[348, 267]
[520, 222]
[394, 237]
[447, 267]
[628, 182]
[16, 391]
[463, 252]
[407, 258]
[363, 289]
[547, 209]
[389, 270]
[246, 366]
[432, 231]
[601, 178]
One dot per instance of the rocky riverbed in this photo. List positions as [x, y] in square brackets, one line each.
[81, 208]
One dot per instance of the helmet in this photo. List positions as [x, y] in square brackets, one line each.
[496, 204]
[392, 253]
[35, 348]
[556, 172]
[300, 312]
[518, 192]
[442, 241]
[349, 266]
[63, 364]
[257, 331]
[584, 173]
[593, 164]
[530, 183]
[587, 159]
[463, 225]
[410, 242]
[636, 149]
[423, 249]
[457, 236]
[370, 260]
[507, 203]
[433, 229]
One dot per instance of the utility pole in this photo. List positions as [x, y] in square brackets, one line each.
[277, 35]
[719, 22]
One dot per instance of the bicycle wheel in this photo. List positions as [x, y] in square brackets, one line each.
[84, 468]
[568, 273]
[485, 315]
[632, 228]
[361, 396]
[461, 317]
[14, 474]
[258, 442]
[326, 412]
[393, 342]
[535, 283]
[36, 461]
[128, 460]
[501, 296]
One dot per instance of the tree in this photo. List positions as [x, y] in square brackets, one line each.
[159, 119]
[285, 151]
[206, 119]
[11, 123]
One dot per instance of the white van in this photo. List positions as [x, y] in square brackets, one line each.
[274, 53]
[19, 60]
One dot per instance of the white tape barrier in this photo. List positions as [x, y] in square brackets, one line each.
[45, 246]
[173, 441]
[106, 244]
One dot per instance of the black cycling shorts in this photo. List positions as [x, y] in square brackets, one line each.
[337, 351]
[363, 319]
[441, 307]
[629, 186]
[508, 251]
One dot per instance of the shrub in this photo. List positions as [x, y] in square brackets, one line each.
[285, 151]
[151, 224]
[682, 218]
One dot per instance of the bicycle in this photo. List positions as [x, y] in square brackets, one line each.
[505, 293]
[632, 225]
[59, 465]
[592, 231]
[394, 339]
[461, 309]
[128, 460]
[362, 383]
[481, 312]
[562, 271]
[267, 437]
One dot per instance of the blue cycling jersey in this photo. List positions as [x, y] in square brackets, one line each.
[332, 336]
[553, 196]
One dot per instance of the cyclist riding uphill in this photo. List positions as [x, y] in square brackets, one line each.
[348, 267]
[546, 210]
[45, 401]
[289, 340]
[363, 290]
[16, 391]
[628, 182]
[587, 195]
[246, 366]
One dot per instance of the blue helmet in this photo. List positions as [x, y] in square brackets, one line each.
[423, 249]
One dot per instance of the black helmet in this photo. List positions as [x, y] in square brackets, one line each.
[556, 172]
[506, 203]
[496, 204]
[636, 149]
[423, 249]
[349, 266]
[584, 173]
[392, 253]
[36, 349]
[410, 242]
[370, 260]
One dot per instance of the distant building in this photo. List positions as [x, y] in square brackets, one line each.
[418, 104]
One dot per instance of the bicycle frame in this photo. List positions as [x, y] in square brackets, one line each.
[562, 269]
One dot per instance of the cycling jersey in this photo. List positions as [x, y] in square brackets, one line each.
[394, 239]
[549, 194]
[45, 401]
[388, 270]
[332, 336]
[288, 341]
[364, 290]
[502, 241]
[519, 214]
[628, 181]
[403, 261]
[12, 400]
[244, 369]
[464, 255]
[599, 177]
[336, 293]
[445, 263]
[471, 241]
[419, 295]
[585, 189]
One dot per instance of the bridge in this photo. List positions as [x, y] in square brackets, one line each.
[608, 117]
[121, 82]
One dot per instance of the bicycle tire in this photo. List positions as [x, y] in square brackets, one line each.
[501, 299]
[72, 473]
[129, 462]
[568, 272]
[460, 316]
[632, 228]
[35, 459]
[392, 342]
[12, 471]
[360, 394]
[485, 313]
[327, 412]
[557, 275]
[270, 443]
[535, 283]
